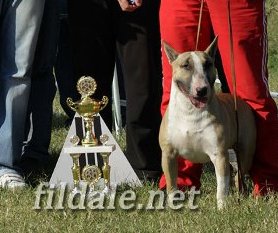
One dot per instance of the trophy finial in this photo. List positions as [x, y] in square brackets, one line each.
[86, 86]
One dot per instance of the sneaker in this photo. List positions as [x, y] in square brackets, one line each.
[12, 181]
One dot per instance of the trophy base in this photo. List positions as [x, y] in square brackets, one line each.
[93, 191]
[107, 191]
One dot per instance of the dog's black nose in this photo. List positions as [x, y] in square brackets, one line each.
[202, 91]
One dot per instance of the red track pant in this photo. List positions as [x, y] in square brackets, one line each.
[179, 24]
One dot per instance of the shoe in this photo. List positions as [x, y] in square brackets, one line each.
[189, 175]
[263, 189]
[30, 166]
[183, 183]
[12, 181]
[148, 177]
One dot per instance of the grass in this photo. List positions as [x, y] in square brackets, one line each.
[251, 215]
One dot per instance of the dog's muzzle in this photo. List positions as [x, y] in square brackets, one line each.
[198, 102]
[201, 92]
[200, 99]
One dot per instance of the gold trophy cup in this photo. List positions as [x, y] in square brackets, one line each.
[87, 107]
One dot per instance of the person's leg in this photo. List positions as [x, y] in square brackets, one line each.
[138, 43]
[121, 90]
[180, 31]
[178, 25]
[19, 27]
[221, 73]
[93, 43]
[250, 50]
[35, 154]
[64, 71]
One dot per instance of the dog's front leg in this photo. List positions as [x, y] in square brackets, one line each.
[170, 169]
[222, 170]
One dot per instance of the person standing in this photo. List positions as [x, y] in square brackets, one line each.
[52, 56]
[39, 115]
[102, 29]
[248, 22]
[66, 81]
[19, 27]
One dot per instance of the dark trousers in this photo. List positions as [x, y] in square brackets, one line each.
[100, 30]
[66, 81]
[52, 52]
[42, 90]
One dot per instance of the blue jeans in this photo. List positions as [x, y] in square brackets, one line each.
[19, 26]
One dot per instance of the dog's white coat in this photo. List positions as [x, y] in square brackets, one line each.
[197, 64]
[193, 133]
[198, 147]
[198, 79]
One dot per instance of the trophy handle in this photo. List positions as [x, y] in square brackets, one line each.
[103, 102]
[71, 104]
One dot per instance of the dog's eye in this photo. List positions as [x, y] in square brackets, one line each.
[207, 65]
[186, 66]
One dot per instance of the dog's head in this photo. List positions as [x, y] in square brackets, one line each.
[194, 73]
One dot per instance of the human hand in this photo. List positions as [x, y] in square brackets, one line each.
[126, 6]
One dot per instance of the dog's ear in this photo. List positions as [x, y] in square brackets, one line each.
[170, 52]
[212, 48]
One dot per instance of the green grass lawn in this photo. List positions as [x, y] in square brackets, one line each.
[251, 215]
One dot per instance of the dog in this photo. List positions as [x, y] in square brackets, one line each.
[200, 125]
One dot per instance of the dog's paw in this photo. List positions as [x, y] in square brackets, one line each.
[175, 200]
[171, 197]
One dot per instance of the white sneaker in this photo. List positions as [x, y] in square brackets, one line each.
[12, 181]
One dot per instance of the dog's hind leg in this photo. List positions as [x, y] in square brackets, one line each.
[242, 170]
[222, 170]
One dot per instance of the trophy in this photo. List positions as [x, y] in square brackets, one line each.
[98, 178]
[87, 107]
